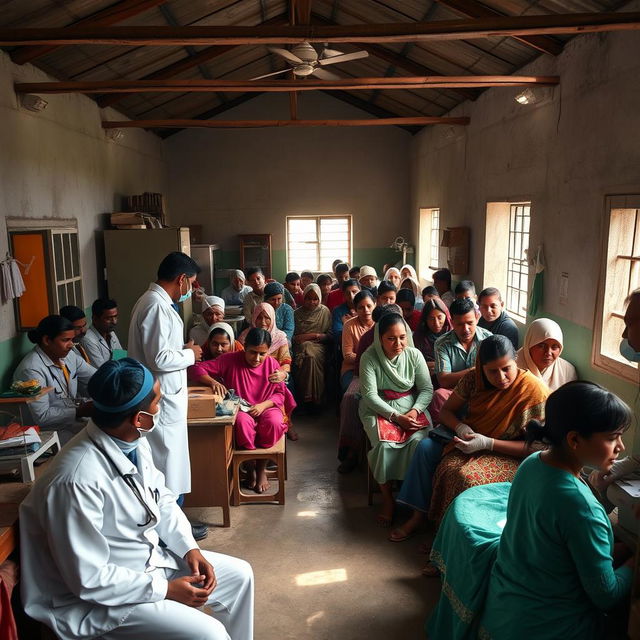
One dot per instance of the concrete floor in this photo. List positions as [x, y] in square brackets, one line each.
[371, 588]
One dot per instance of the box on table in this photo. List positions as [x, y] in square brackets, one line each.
[202, 403]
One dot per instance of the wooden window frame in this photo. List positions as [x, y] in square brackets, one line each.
[604, 304]
[49, 229]
[519, 266]
[318, 219]
[429, 263]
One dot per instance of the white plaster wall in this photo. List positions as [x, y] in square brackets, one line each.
[58, 164]
[565, 153]
[248, 180]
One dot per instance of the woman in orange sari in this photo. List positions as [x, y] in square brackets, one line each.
[487, 447]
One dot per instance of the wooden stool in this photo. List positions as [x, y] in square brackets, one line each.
[277, 453]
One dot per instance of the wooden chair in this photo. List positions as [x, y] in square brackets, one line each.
[277, 454]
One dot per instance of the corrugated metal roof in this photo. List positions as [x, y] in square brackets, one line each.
[488, 56]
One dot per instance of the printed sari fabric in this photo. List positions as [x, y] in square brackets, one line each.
[497, 414]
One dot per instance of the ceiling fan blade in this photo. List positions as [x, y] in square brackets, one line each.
[323, 74]
[356, 55]
[268, 75]
[286, 54]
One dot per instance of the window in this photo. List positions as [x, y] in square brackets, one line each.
[620, 275]
[429, 242]
[505, 254]
[314, 242]
[54, 278]
[517, 260]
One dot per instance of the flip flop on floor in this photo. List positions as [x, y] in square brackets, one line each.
[399, 535]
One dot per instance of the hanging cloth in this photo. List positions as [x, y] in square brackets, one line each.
[536, 297]
[11, 284]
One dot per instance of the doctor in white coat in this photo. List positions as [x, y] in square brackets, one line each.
[156, 339]
[91, 560]
[54, 363]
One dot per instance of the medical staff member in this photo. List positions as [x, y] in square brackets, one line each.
[100, 341]
[54, 363]
[91, 559]
[629, 349]
[78, 319]
[156, 339]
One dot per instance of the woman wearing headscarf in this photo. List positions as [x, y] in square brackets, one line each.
[540, 354]
[392, 274]
[235, 293]
[434, 322]
[212, 312]
[274, 294]
[407, 271]
[221, 340]
[412, 284]
[396, 390]
[251, 374]
[487, 446]
[264, 317]
[312, 324]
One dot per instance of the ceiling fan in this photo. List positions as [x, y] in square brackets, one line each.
[305, 61]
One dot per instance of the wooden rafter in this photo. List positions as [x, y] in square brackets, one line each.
[172, 70]
[111, 15]
[309, 84]
[568, 24]
[473, 9]
[399, 61]
[247, 124]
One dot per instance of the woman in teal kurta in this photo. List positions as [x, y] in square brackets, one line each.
[554, 575]
[551, 571]
[396, 387]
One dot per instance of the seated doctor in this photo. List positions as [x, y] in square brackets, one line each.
[92, 562]
[55, 363]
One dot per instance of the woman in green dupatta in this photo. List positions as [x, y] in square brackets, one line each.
[396, 389]
[312, 323]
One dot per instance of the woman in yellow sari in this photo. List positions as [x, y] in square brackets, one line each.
[487, 447]
[312, 323]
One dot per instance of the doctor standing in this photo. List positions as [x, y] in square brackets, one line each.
[156, 339]
[92, 562]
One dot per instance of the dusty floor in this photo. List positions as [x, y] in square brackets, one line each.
[368, 587]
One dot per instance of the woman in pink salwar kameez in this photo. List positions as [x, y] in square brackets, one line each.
[247, 372]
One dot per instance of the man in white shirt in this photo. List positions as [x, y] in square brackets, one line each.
[100, 341]
[106, 551]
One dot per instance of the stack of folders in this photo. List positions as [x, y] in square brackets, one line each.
[28, 442]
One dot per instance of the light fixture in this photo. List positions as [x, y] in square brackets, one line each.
[33, 102]
[526, 97]
[114, 134]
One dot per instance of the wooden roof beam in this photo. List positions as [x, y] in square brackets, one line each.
[184, 64]
[108, 16]
[501, 26]
[473, 9]
[252, 124]
[234, 86]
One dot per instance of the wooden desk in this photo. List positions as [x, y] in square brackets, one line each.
[211, 452]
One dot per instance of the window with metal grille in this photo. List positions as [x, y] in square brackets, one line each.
[620, 275]
[314, 242]
[517, 261]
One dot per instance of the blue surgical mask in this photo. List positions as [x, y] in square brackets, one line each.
[628, 352]
[185, 296]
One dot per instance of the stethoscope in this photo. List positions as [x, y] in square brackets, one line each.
[131, 483]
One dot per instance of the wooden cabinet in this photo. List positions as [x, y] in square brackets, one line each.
[255, 251]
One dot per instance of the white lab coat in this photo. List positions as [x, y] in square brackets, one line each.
[97, 348]
[56, 410]
[87, 567]
[156, 340]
